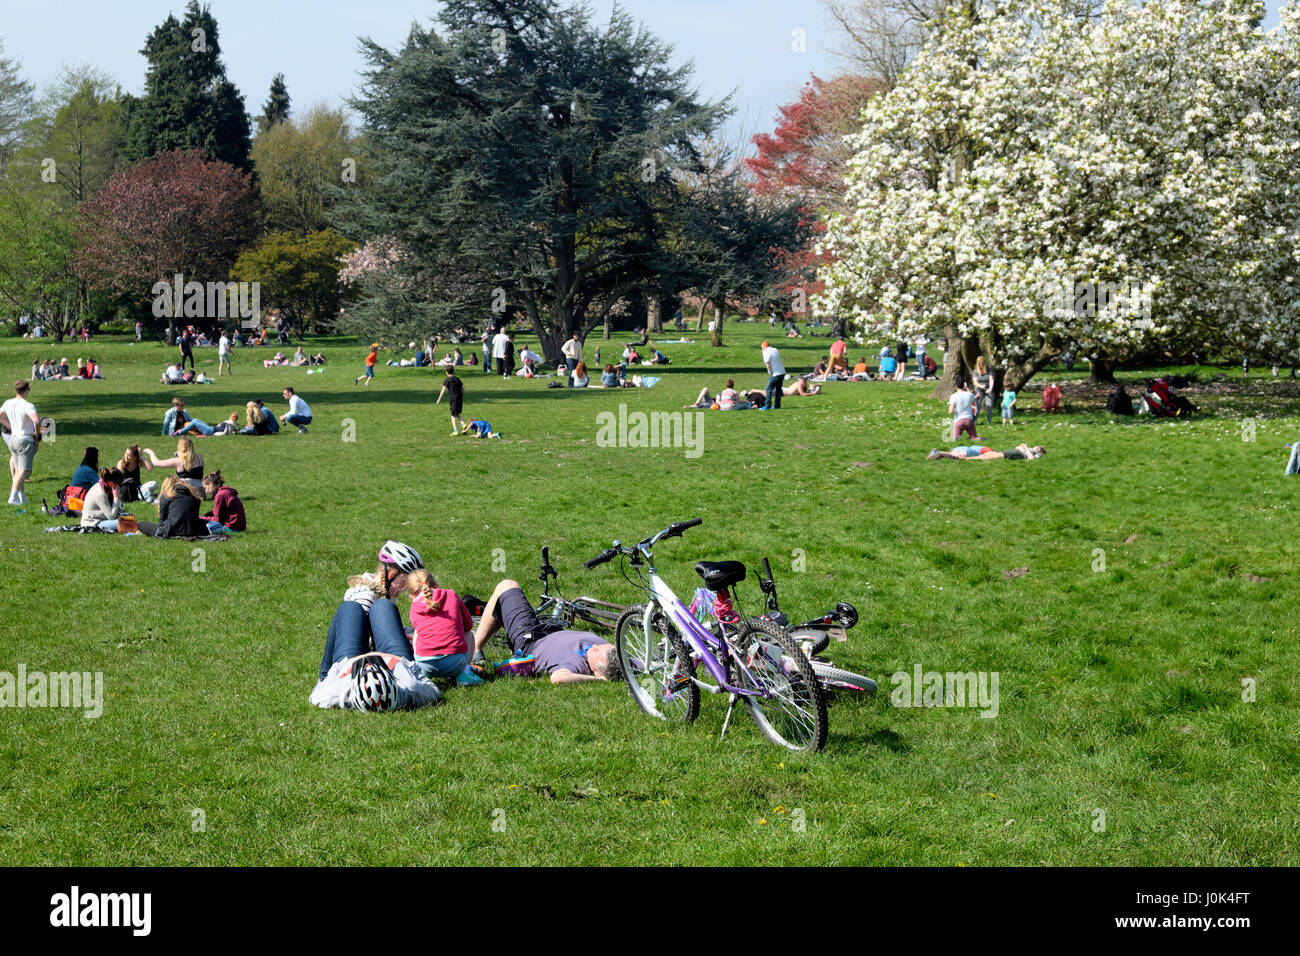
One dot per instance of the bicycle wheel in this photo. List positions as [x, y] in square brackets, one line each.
[832, 678]
[794, 715]
[656, 670]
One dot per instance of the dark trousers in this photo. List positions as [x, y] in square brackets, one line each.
[774, 391]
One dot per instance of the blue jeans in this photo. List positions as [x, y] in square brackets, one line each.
[774, 391]
[353, 631]
[443, 665]
[299, 420]
[572, 363]
[203, 428]
[108, 524]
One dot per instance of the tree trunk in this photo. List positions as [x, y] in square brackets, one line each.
[1018, 373]
[654, 321]
[699, 319]
[958, 362]
[1102, 370]
[719, 311]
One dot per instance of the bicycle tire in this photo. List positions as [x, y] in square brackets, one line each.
[655, 671]
[794, 716]
[834, 679]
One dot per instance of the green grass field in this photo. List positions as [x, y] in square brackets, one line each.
[1121, 690]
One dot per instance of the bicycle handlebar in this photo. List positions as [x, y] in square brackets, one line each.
[674, 530]
[607, 555]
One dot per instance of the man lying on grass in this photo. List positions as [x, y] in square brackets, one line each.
[568, 656]
[981, 453]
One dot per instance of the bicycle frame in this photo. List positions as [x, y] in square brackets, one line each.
[695, 635]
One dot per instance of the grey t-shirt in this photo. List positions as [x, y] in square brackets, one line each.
[564, 650]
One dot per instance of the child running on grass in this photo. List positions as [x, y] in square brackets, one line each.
[481, 429]
[440, 619]
[369, 373]
[454, 389]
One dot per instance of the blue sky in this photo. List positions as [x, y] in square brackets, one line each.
[741, 45]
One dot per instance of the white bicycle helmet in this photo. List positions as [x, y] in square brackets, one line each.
[373, 686]
[403, 557]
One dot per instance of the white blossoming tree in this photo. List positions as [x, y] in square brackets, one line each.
[1110, 177]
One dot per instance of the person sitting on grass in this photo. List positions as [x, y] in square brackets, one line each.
[609, 377]
[569, 657]
[103, 504]
[227, 510]
[131, 487]
[299, 357]
[277, 359]
[581, 377]
[1021, 452]
[177, 421]
[441, 621]
[454, 388]
[861, 373]
[480, 428]
[888, 365]
[87, 473]
[187, 462]
[178, 512]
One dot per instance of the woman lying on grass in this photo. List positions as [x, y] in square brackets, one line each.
[982, 453]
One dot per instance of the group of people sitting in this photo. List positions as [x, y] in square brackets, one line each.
[299, 358]
[729, 398]
[370, 664]
[258, 419]
[104, 493]
[45, 370]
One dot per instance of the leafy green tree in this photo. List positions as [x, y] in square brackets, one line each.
[188, 102]
[75, 142]
[15, 106]
[301, 168]
[534, 158]
[276, 108]
[37, 247]
[297, 274]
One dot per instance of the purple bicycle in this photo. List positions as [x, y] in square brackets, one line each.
[661, 647]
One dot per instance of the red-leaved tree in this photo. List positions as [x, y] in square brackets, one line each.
[806, 157]
[175, 213]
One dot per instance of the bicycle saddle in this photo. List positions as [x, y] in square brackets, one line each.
[720, 574]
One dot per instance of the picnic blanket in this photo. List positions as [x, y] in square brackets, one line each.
[78, 529]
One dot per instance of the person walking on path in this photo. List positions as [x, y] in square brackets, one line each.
[572, 350]
[775, 375]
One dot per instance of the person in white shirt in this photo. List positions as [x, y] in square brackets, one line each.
[172, 375]
[346, 686]
[775, 375]
[223, 354]
[501, 351]
[299, 413]
[572, 350]
[531, 360]
[21, 427]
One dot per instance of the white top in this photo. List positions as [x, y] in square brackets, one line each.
[572, 349]
[413, 688]
[500, 345]
[172, 374]
[20, 413]
[960, 405]
[528, 355]
[772, 358]
[223, 346]
[99, 506]
[298, 407]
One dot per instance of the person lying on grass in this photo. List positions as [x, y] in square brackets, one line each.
[373, 682]
[568, 656]
[981, 453]
[800, 387]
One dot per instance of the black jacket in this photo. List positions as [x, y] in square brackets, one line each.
[178, 517]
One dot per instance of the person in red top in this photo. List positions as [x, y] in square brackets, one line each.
[371, 359]
[227, 509]
[441, 620]
[839, 357]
